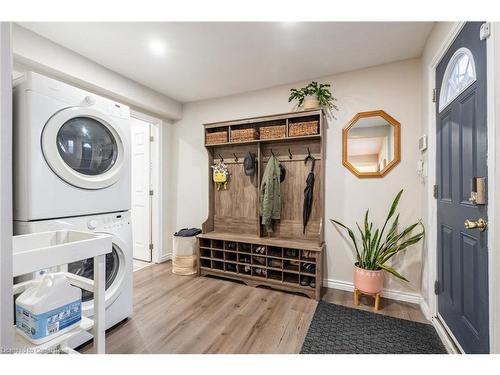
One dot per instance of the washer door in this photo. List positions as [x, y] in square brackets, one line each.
[115, 276]
[84, 147]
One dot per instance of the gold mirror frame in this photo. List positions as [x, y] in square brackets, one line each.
[397, 144]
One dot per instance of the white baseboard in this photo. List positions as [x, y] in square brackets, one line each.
[386, 293]
[424, 307]
[165, 258]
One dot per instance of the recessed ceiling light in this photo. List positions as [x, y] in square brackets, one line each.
[157, 47]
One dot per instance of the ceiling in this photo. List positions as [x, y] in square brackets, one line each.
[191, 61]
[365, 146]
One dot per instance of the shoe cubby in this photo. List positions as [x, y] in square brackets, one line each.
[291, 253]
[244, 258]
[218, 265]
[259, 250]
[259, 260]
[275, 252]
[288, 268]
[217, 254]
[291, 265]
[291, 278]
[230, 245]
[245, 270]
[308, 268]
[205, 253]
[205, 263]
[231, 267]
[259, 272]
[231, 257]
[275, 263]
[245, 248]
[275, 275]
[217, 244]
[205, 243]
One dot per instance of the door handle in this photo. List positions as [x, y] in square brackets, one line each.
[480, 224]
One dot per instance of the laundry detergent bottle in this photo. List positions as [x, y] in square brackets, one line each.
[49, 308]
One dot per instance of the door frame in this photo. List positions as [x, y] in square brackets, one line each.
[156, 153]
[493, 91]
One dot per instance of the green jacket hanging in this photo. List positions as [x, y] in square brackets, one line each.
[270, 195]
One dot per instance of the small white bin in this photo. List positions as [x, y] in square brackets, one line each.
[184, 255]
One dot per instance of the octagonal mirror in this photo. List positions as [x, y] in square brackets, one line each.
[371, 144]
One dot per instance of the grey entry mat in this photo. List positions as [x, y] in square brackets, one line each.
[337, 329]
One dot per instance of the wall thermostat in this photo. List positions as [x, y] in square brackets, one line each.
[422, 143]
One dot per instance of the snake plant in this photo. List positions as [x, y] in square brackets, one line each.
[377, 249]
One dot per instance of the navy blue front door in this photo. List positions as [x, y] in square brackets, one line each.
[461, 156]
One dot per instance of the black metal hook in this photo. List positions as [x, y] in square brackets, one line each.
[309, 157]
[221, 158]
[272, 153]
[290, 156]
[235, 157]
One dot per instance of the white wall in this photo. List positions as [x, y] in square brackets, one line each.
[395, 88]
[33, 52]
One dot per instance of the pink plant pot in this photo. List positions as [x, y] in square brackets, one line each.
[368, 281]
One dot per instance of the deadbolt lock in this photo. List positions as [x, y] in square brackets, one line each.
[480, 224]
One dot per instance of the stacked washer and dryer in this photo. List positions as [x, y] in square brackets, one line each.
[72, 171]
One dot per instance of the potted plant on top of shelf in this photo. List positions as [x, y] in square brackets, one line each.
[377, 250]
[314, 95]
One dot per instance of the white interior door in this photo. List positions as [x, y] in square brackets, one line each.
[141, 185]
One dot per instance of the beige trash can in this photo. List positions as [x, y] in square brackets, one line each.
[184, 255]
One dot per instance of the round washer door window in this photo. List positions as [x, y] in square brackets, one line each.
[85, 268]
[87, 146]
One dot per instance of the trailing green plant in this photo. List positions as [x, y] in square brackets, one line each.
[376, 249]
[321, 91]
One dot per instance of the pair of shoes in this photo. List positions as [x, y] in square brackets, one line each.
[308, 281]
[309, 267]
[246, 269]
[275, 263]
[260, 271]
[293, 253]
[260, 250]
[231, 245]
[244, 259]
[260, 260]
[231, 267]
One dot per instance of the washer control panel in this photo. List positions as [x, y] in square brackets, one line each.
[112, 221]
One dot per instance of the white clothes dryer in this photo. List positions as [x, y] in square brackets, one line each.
[71, 151]
[118, 296]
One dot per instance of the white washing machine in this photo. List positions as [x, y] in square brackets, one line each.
[71, 151]
[118, 297]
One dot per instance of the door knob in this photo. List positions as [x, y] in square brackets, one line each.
[480, 224]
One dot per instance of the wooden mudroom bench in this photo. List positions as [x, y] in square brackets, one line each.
[234, 244]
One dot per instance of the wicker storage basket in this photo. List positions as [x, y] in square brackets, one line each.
[297, 129]
[213, 138]
[184, 258]
[273, 131]
[248, 134]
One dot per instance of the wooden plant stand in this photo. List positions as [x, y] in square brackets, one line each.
[376, 296]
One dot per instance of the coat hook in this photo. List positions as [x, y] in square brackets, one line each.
[290, 156]
[221, 158]
[272, 153]
[235, 157]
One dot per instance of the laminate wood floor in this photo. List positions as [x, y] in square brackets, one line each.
[188, 314]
